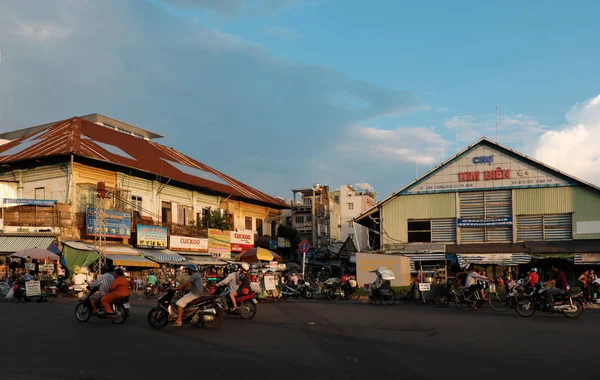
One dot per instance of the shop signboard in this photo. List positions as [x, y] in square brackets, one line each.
[272, 244]
[118, 224]
[424, 287]
[269, 282]
[47, 268]
[288, 243]
[241, 241]
[151, 237]
[33, 288]
[486, 168]
[30, 266]
[280, 242]
[185, 243]
[29, 202]
[366, 263]
[219, 243]
[492, 222]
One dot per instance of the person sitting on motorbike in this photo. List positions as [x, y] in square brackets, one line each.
[294, 279]
[151, 279]
[561, 286]
[245, 279]
[118, 289]
[233, 282]
[197, 284]
[103, 283]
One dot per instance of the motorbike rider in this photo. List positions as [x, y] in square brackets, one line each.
[294, 279]
[118, 289]
[245, 279]
[103, 283]
[197, 284]
[233, 283]
[151, 279]
[560, 282]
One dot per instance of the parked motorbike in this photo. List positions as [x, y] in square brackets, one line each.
[445, 295]
[333, 289]
[202, 311]
[83, 309]
[303, 290]
[20, 294]
[569, 304]
[246, 303]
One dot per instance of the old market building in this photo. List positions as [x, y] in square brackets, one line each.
[48, 179]
[493, 207]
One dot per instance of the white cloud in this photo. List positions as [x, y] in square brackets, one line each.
[419, 145]
[283, 33]
[575, 148]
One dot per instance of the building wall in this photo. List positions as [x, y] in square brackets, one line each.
[586, 207]
[360, 203]
[240, 210]
[53, 179]
[396, 213]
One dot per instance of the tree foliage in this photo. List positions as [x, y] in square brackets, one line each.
[215, 220]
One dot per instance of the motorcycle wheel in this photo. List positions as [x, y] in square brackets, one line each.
[247, 310]
[158, 318]
[307, 294]
[333, 294]
[120, 314]
[83, 312]
[441, 301]
[526, 308]
[215, 323]
[391, 298]
[577, 313]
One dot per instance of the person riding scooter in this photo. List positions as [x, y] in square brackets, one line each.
[233, 283]
[118, 289]
[103, 283]
[197, 283]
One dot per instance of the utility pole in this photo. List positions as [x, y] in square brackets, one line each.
[100, 225]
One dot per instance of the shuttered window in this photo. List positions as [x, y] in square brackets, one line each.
[432, 231]
[544, 227]
[484, 205]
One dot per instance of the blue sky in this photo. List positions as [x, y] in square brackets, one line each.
[282, 94]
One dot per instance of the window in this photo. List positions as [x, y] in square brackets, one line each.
[166, 212]
[350, 206]
[259, 227]
[484, 206]
[544, 227]
[136, 203]
[307, 201]
[308, 218]
[273, 228]
[419, 231]
[248, 224]
[40, 193]
[184, 214]
[350, 224]
[300, 219]
[336, 199]
[230, 220]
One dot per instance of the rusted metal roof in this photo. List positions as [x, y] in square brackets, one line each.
[89, 140]
[12, 244]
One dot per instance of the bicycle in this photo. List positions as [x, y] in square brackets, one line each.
[497, 300]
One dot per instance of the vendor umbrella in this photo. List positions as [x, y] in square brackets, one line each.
[258, 254]
[36, 254]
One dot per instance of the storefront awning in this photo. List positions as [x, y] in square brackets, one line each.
[12, 244]
[132, 261]
[77, 257]
[504, 259]
[546, 256]
[424, 257]
[204, 260]
[586, 258]
[163, 256]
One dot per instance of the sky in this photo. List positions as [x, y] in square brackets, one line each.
[281, 94]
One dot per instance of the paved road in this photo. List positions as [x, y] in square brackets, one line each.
[299, 340]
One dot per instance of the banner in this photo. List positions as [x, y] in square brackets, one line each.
[241, 241]
[151, 237]
[272, 244]
[219, 243]
[495, 222]
[29, 202]
[280, 242]
[184, 243]
[118, 224]
[33, 288]
[269, 282]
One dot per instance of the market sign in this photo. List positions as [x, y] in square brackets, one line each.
[219, 243]
[280, 242]
[33, 288]
[185, 243]
[486, 168]
[493, 222]
[151, 237]
[118, 224]
[241, 240]
[29, 202]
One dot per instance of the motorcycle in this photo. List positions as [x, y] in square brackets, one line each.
[201, 311]
[569, 304]
[83, 309]
[303, 290]
[151, 291]
[444, 296]
[246, 303]
[333, 289]
[20, 293]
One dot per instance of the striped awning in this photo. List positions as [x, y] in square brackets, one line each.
[164, 256]
[132, 261]
[424, 257]
[12, 244]
[586, 258]
[504, 259]
[205, 260]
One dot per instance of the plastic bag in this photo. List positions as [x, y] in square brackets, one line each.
[11, 294]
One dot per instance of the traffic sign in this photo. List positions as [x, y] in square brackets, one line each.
[304, 246]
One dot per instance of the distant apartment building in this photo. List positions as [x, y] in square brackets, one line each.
[311, 215]
[352, 202]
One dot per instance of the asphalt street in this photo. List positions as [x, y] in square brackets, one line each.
[299, 340]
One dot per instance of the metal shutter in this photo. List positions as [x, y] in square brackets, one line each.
[498, 204]
[530, 228]
[472, 235]
[472, 205]
[443, 230]
[558, 227]
[499, 234]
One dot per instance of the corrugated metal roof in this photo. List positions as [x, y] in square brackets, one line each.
[504, 259]
[79, 245]
[132, 261]
[12, 244]
[120, 249]
[86, 139]
[164, 256]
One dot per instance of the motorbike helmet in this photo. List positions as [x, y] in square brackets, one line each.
[152, 273]
[191, 267]
[534, 270]
[246, 266]
[232, 267]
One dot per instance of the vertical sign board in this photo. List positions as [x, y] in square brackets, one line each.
[151, 237]
[367, 262]
[219, 243]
